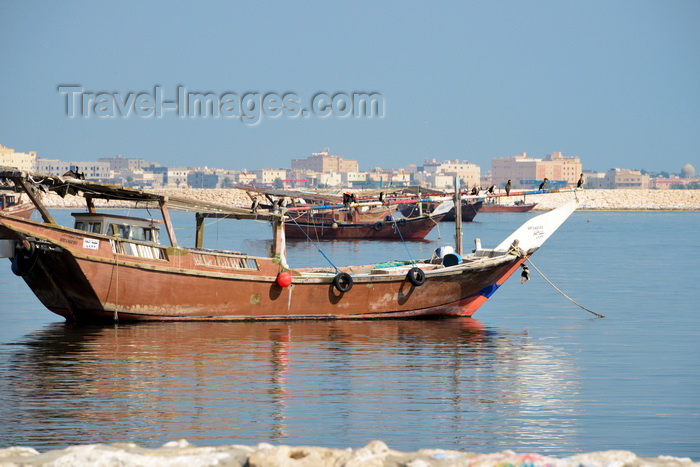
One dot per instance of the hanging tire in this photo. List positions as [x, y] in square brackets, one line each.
[377, 226]
[416, 276]
[402, 221]
[342, 282]
[24, 260]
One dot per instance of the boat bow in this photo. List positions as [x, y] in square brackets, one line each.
[533, 233]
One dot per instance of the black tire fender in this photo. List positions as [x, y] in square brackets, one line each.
[343, 282]
[416, 276]
[24, 260]
[377, 226]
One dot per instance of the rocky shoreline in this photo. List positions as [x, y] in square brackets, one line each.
[594, 200]
[376, 454]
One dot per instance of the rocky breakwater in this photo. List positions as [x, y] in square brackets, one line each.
[229, 197]
[623, 200]
[604, 200]
[375, 454]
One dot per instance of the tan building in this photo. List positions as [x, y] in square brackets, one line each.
[624, 178]
[671, 183]
[244, 178]
[25, 161]
[435, 173]
[325, 163]
[521, 168]
[268, 176]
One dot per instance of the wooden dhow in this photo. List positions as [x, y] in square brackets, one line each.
[109, 267]
[12, 205]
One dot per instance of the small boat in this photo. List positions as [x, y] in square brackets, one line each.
[369, 215]
[495, 206]
[336, 209]
[415, 228]
[10, 205]
[115, 268]
[470, 208]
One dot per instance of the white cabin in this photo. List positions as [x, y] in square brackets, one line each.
[127, 228]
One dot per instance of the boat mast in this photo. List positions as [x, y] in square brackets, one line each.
[20, 180]
[168, 224]
[458, 217]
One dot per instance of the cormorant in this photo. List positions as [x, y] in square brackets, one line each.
[475, 191]
[508, 185]
[580, 182]
[544, 183]
[490, 190]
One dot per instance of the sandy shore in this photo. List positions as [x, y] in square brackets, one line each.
[604, 200]
[376, 453]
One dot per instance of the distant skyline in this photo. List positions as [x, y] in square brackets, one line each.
[616, 83]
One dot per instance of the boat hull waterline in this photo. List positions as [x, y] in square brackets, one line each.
[496, 208]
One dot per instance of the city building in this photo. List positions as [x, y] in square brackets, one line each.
[526, 172]
[353, 179]
[25, 161]
[625, 178]
[435, 181]
[595, 180]
[325, 163]
[268, 176]
[119, 163]
[468, 173]
[244, 178]
[176, 177]
[95, 171]
[203, 179]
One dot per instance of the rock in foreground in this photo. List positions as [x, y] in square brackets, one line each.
[181, 453]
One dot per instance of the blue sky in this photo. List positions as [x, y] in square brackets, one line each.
[616, 83]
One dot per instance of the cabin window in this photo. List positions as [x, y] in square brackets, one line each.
[144, 234]
[95, 227]
[80, 226]
[119, 230]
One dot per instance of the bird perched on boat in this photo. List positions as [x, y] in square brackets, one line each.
[508, 185]
[75, 174]
[490, 190]
[475, 191]
[579, 184]
[544, 183]
[525, 275]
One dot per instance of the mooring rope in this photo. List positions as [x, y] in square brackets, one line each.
[558, 290]
[314, 243]
[396, 226]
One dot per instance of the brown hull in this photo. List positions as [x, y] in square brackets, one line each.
[493, 207]
[407, 229]
[23, 210]
[97, 284]
[372, 215]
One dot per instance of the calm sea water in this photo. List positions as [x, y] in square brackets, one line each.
[531, 372]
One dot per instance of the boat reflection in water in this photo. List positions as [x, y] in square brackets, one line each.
[450, 383]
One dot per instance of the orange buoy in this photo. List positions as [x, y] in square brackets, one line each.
[284, 279]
